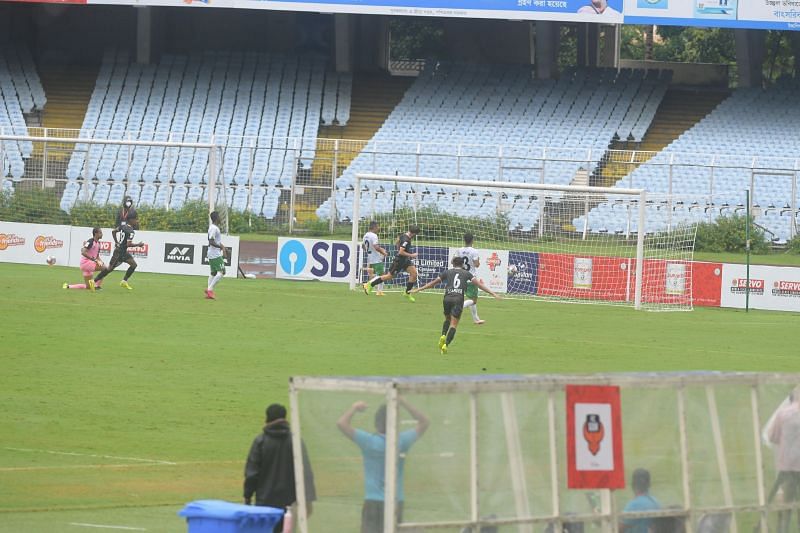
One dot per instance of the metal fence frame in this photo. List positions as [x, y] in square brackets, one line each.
[535, 160]
[393, 387]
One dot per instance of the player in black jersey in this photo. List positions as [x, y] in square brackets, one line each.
[123, 238]
[403, 262]
[456, 280]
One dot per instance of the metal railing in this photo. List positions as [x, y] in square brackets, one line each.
[309, 171]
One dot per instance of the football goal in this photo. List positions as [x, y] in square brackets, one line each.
[555, 242]
[83, 181]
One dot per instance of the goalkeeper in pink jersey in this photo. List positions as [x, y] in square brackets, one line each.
[90, 262]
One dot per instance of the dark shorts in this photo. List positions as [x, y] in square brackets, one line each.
[453, 305]
[372, 516]
[119, 257]
[400, 264]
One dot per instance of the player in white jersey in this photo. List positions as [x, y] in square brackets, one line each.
[374, 254]
[472, 262]
[216, 255]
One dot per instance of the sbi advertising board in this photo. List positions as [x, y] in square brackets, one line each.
[313, 259]
[324, 260]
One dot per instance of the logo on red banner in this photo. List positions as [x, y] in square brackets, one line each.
[789, 289]
[105, 248]
[43, 243]
[494, 261]
[739, 286]
[594, 438]
[138, 251]
[10, 239]
[593, 432]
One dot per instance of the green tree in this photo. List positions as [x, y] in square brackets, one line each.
[695, 45]
[781, 48]
[416, 38]
[632, 42]
[727, 234]
[568, 46]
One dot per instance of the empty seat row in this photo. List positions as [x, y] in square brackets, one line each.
[262, 201]
[748, 142]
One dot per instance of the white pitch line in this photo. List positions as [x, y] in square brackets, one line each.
[81, 524]
[74, 467]
[76, 454]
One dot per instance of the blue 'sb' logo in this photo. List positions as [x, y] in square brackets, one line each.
[293, 257]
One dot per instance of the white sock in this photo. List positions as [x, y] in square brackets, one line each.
[379, 287]
[474, 310]
[210, 278]
[215, 280]
[468, 303]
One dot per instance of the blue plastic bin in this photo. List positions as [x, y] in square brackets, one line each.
[217, 516]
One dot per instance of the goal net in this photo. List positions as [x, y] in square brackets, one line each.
[84, 182]
[561, 243]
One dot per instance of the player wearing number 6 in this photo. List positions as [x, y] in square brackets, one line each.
[456, 282]
[90, 262]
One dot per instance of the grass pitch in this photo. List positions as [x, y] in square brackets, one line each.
[121, 406]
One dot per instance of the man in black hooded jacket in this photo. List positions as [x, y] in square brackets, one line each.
[269, 472]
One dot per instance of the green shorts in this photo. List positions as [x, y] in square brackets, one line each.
[471, 292]
[377, 268]
[217, 265]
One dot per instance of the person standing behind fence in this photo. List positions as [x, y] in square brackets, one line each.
[784, 433]
[269, 471]
[127, 214]
[642, 501]
[373, 452]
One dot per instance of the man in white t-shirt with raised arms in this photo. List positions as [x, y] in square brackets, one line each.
[472, 262]
[216, 255]
[374, 254]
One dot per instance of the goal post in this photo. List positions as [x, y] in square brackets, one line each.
[576, 244]
[82, 181]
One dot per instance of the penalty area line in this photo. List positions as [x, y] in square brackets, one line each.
[99, 456]
[103, 526]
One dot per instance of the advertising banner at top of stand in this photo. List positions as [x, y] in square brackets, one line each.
[753, 14]
[605, 11]
[48, 1]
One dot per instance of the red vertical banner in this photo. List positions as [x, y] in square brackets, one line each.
[594, 438]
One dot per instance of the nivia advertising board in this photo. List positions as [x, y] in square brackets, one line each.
[161, 252]
[604, 11]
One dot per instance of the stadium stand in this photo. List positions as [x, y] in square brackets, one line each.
[758, 122]
[20, 93]
[454, 109]
[263, 109]
[337, 98]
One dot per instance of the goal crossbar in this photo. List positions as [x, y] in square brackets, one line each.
[639, 194]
